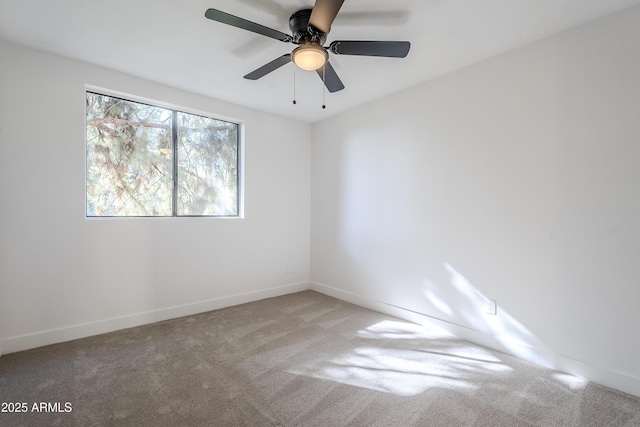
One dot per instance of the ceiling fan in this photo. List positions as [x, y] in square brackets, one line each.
[309, 28]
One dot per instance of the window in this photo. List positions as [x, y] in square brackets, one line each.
[145, 160]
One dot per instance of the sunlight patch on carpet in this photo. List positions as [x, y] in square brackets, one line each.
[571, 381]
[403, 359]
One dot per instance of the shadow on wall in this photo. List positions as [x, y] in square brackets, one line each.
[510, 334]
[390, 244]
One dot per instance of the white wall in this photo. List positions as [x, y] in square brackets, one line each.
[515, 179]
[62, 276]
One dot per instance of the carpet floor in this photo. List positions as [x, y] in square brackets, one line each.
[303, 359]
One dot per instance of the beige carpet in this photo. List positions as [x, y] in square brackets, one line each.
[299, 360]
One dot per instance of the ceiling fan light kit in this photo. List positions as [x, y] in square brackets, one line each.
[309, 56]
[309, 28]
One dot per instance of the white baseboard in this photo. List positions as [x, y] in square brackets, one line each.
[605, 376]
[54, 336]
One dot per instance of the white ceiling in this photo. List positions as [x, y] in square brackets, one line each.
[171, 42]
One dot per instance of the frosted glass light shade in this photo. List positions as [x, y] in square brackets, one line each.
[309, 57]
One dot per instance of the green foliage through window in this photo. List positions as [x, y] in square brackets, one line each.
[144, 160]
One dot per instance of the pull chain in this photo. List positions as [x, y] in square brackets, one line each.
[294, 85]
[324, 83]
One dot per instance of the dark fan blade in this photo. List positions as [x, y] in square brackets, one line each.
[267, 68]
[323, 14]
[234, 21]
[330, 77]
[370, 48]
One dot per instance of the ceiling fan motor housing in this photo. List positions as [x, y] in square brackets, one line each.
[302, 31]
